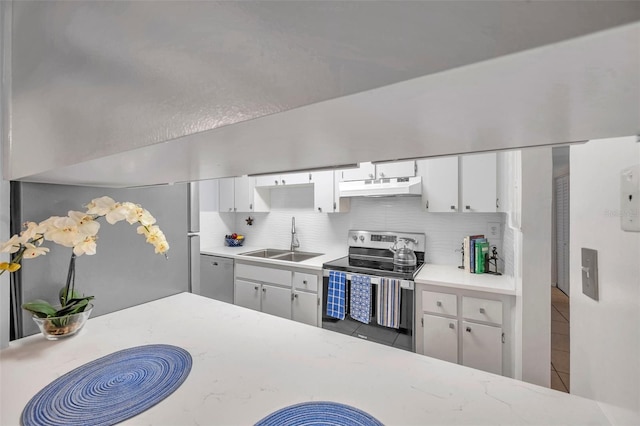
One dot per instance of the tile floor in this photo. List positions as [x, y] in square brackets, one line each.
[559, 340]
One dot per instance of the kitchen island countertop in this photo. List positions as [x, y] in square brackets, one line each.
[247, 364]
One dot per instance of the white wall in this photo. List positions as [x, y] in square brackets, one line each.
[605, 334]
[533, 268]
[328, 232]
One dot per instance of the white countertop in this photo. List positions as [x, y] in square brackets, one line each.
[235, 253]
[452, 276]
[247, 364]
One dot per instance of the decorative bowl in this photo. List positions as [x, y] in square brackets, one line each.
[231, 242]
[55, 328]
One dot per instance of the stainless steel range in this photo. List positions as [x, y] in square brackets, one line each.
[371, 255]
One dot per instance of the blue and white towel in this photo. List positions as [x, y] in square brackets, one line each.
[389, 303]
[336, 294]
[360, 298]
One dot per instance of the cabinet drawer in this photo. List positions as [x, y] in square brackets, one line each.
[262, 274]
[439, 303]
[302, 281]
[482, 310]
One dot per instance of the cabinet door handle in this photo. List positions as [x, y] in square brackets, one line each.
[468, 329]
[283, 181]
[214, 263]
[482, 311]
[295, 295]
[438, 303]
[453, 207]
[264, 290]
[497, 203]
[304, 282]
[371, 175]
[250, 206]
[277, 181]
[468, 207]
[256, 288]
[451, 326]
[320, 209]
[381, 174]
[291, 296]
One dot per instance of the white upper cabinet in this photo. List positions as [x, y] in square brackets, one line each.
[368, 171]
[478, 183]
[226, 196]
[323, 188]
[283, 179]
[240, 195]
[466, 183]
[363, 172]
[439, 184]
[396, 169]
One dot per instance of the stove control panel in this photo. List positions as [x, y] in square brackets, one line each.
[385, 239]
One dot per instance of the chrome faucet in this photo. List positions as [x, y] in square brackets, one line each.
[294, 238]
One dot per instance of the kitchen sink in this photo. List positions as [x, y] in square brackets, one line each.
[268, 253]
[296, 256]
[291, 256]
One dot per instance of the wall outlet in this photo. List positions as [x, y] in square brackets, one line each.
[494, 232]
[630, 198]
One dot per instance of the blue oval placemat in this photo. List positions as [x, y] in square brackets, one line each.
[110, 389]
[319, 413]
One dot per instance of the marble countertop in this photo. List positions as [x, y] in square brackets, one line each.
[314, 263]
[452, 276]
[247, 364]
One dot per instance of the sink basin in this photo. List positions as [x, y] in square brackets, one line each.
[265, 253]
[296, 256]
[276, 254]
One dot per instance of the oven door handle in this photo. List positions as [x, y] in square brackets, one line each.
[406, 284]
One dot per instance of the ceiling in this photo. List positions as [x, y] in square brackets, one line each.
[93, 80]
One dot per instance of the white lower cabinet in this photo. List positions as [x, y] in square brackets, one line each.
[247, 294]
[304, 308]
[276, 301]
[283, 292]
[440, 337]
[463, 329]
[482, 347]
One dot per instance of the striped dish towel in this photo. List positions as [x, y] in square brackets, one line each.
[336, 294]
[360, 298]
[389, 303]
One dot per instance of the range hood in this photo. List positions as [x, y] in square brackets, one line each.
[405, 186]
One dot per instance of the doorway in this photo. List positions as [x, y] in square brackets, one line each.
[560, 291]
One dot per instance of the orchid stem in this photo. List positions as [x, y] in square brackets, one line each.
[71, 280]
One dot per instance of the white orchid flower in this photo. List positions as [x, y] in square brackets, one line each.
[117, 213]
[161, 247]
[87, 246]
[101, 206]
[32, 251]
[87, 226]
[138, 214]
[11, 246]
[30, 232]
[63, 231]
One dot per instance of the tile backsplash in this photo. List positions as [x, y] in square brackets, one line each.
[328, 231]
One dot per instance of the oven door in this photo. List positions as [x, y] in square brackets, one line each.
[402, 337]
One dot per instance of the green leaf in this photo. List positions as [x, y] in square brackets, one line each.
[62, 294]
[40, 308]
[74, 306]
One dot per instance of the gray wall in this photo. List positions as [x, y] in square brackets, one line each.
[125, 271]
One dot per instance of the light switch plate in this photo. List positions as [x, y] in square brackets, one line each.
[590, 273]
[630, 198]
